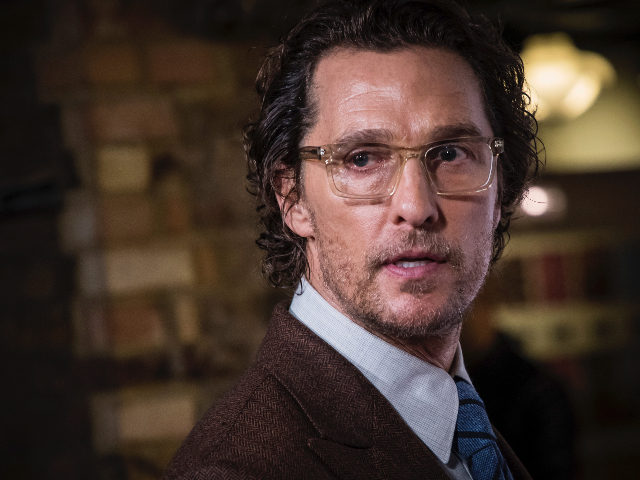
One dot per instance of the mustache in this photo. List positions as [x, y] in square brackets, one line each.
[431, 242]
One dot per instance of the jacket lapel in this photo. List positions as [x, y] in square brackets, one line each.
[360, 435]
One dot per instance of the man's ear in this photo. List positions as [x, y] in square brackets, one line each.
[293, 208]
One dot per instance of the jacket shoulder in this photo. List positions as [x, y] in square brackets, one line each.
[257, 430]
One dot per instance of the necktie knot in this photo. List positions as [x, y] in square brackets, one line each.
[475, 440]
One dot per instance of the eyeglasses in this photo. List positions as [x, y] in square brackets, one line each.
[459, 166]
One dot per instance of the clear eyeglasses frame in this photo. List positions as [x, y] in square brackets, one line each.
[373, 170]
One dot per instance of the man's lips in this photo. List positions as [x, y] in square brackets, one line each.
[413, 259]
[411, 263]
[414, 264]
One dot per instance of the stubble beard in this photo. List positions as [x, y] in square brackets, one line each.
[361, 299]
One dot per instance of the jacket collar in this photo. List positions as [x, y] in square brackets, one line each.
[360, 435]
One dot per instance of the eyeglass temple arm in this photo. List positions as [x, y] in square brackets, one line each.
[312, 153]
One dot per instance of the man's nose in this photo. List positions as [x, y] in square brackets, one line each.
[415, 200]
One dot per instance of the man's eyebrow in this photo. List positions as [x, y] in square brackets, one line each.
[369, 135]
[382, 135]
[455, 130]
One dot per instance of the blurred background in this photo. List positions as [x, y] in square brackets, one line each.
[130, 288]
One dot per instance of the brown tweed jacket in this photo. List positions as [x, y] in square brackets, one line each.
[303, 412]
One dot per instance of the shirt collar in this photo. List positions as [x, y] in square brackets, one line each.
[424, 395]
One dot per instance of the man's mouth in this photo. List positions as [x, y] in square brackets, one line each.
[411, 263]
[415, 259]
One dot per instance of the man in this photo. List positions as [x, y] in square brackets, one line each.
[391, 148]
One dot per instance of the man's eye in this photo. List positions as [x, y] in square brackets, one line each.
[449, 153]
[360, 159]
[365, 159]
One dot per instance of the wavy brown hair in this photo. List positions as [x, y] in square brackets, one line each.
[286, 112]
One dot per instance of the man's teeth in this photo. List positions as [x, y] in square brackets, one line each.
[413, 264]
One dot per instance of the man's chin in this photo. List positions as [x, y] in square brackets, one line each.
[417, 325]
[418, 288]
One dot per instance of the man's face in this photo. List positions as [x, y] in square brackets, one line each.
[411, 264]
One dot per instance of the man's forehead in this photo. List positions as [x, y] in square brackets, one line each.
[414, 94]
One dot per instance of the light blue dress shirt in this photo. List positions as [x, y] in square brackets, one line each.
[424, 395]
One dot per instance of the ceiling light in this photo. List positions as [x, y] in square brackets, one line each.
[563, 80]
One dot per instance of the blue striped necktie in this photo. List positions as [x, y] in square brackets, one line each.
[475, 440]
